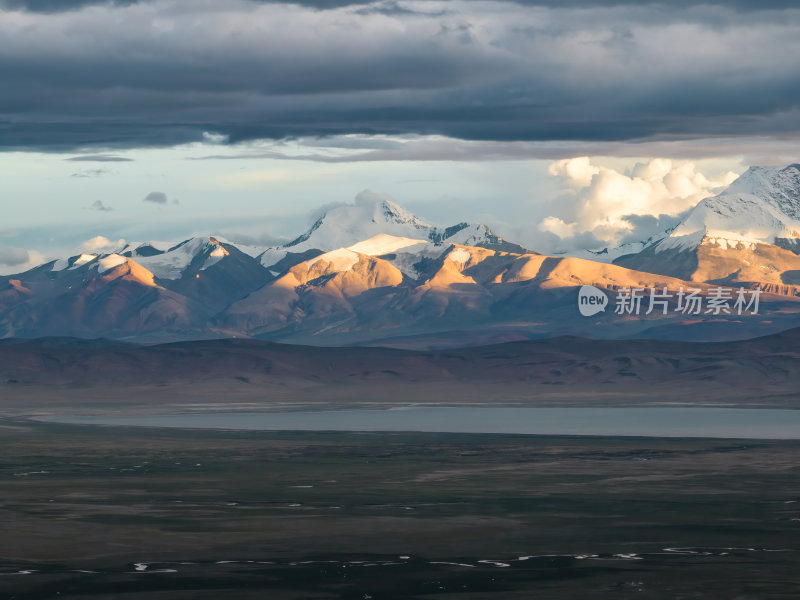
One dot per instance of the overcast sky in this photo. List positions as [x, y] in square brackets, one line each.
[559, 123]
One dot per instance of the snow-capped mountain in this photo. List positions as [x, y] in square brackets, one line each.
[135, 289]
[760, 206]
[89, 295]
[750, 232]
[391, 275]
[610, 254]
[174, 290]
[210, 271]
[186, 258]
[346, 296]
[343, 226]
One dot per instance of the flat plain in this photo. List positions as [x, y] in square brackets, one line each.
[95, 512]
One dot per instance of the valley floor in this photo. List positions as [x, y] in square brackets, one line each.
[93, 512]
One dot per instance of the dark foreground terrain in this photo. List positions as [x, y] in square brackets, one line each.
[57, 375]
[92, 512]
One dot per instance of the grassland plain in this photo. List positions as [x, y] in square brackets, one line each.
[95, 512]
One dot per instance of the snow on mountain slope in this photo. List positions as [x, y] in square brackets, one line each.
[139, 290]
[110, 262]
[110, 266]
[405, 254]
[384, 243]
[761, 205]
[747, 233]
[373, 225]
[209, 271]
[109, 295]
[718, 256]
[350, 295]
[320, 292]
[372, 216]
[335, 261]
[342, 294]
[73, 262]
[344, 226]
[172, 263]
[412, 260]
[611, 253]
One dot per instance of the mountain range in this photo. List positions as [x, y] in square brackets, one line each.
[373, 273]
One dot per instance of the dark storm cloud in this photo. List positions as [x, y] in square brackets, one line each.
[157, 73]
[54, 6]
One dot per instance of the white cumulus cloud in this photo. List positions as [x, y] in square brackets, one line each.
[101, 243]
[558, 227]
[602, 201]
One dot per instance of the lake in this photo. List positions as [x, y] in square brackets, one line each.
[695, 422]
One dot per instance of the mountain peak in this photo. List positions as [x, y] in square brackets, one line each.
[762, 204]
[386, 209]
[346, 224]
[749, 232]
[371, 215]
